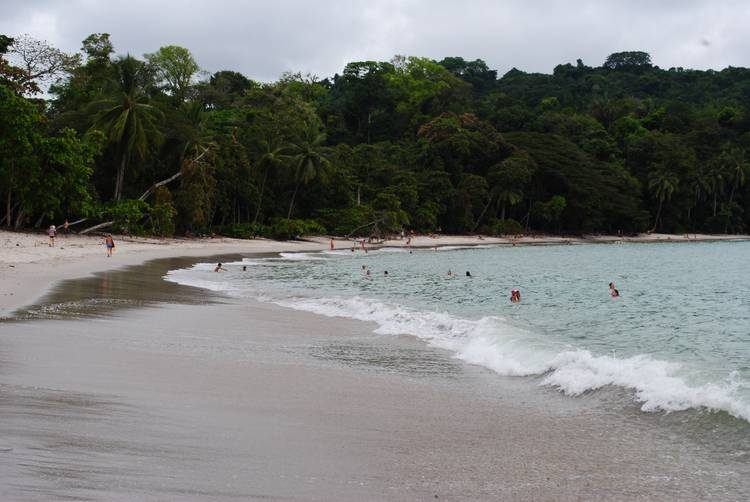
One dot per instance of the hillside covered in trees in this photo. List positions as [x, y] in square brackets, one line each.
[152, 145]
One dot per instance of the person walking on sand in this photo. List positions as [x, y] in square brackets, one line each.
[52, 232]
[109, 243]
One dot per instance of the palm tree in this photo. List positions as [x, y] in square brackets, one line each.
[273, 156]
[508, 197]
[737, 168]
[715, 182]
[126, 117]
[309, 161]
[662, 184]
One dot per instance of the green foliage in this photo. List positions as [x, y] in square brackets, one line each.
[128, 215]
[243, 230]
[285, 228]
[162, 213]
[627, 60]
[175, 67]
[505, 227]
[408, 143]
[348, 220]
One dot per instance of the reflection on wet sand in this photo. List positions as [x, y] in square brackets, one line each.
[420, 361]
[106, 292]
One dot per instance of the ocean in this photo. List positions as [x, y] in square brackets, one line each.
[677, 339]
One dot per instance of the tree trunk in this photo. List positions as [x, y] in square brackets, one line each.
[502, 212]
[291, 204]
[658, 215]
[119, 177]
[260, 197]
[731, 200]
[157, 185]
[479, 220]
[19, 219]
[8, 208]
[97, 227]
[714, 203]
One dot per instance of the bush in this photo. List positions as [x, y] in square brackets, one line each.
[243, 230]
[162, 213]
[128, 215]
[284, 228]
[507, 227]
[345, 221]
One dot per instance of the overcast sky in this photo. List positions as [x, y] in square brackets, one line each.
[262, 39]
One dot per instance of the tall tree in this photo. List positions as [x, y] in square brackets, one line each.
[662, 184]
[175, 67]
[308, 159]
[127, 118]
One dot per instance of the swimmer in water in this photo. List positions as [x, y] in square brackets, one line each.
[515, 296]
[450, 273]
[219, 268]
[385, 273]
[613, 290]
[468, 274]
[244, 268]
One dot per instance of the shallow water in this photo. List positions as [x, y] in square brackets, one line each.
[678, 338]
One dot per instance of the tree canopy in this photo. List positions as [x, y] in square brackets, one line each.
[154, 145]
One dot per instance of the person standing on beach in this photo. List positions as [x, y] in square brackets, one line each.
[109, 243]
[51, 231]
[332, 246]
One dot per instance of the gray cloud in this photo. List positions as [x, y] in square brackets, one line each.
[263, 39]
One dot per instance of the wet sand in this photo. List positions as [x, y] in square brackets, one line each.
[122, 386]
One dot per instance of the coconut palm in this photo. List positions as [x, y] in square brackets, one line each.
[273, 155]
[308, 160]
[737, 169]
[662, 184]
[126, 117]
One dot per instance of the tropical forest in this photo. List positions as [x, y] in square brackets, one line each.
[153, 145]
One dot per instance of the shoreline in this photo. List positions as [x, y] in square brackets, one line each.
[276, 402]
[29, 267]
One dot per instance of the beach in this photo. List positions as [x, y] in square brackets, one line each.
[28, 266]
[118, 385]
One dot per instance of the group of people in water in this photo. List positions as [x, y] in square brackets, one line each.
[515, 293]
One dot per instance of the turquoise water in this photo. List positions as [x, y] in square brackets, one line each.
[678, 337]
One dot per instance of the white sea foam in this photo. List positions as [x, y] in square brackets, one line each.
[494, 343]
[465, 246]
[301, 256]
